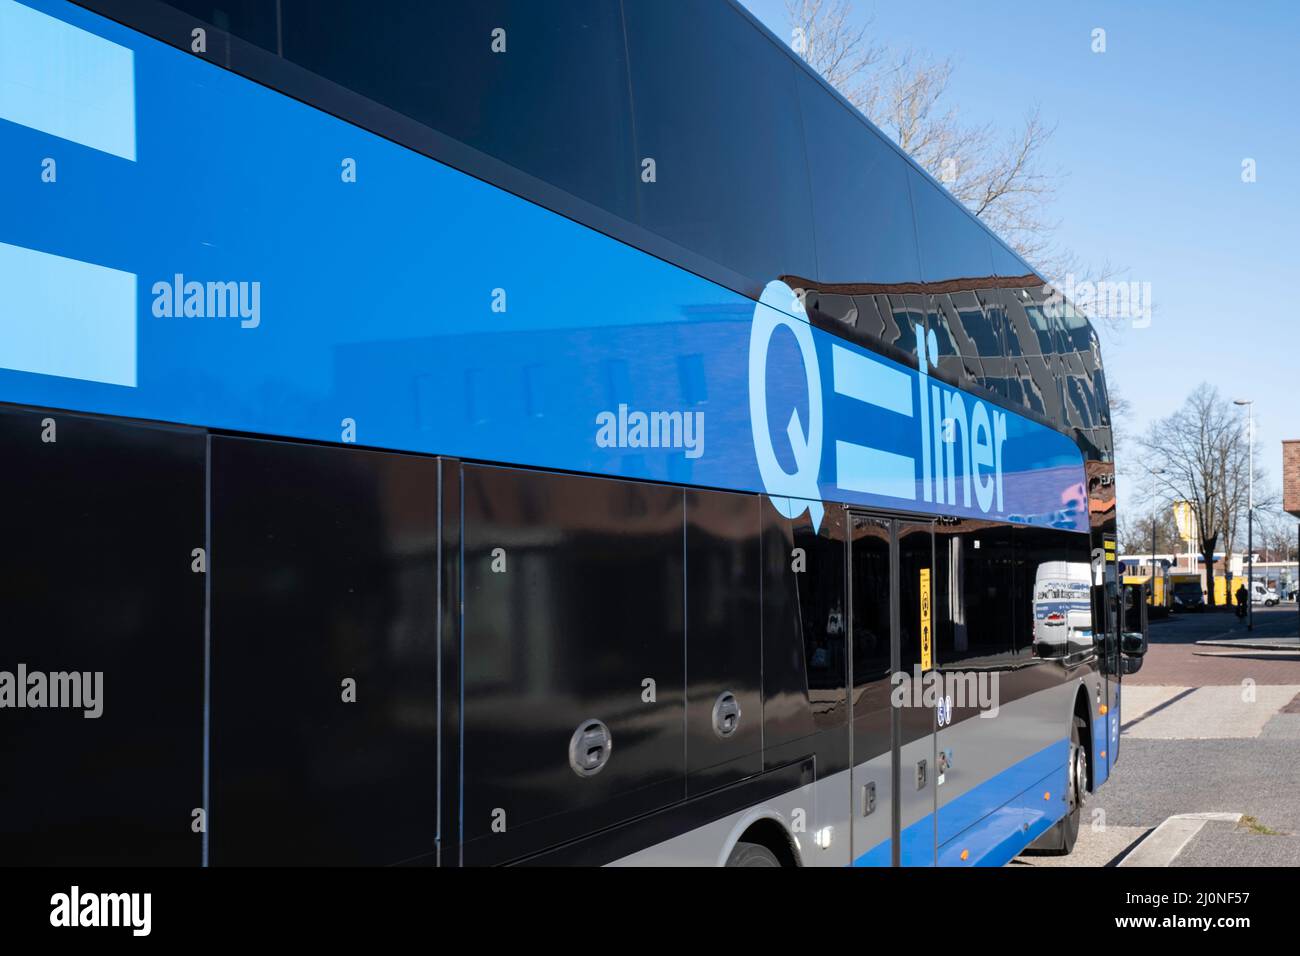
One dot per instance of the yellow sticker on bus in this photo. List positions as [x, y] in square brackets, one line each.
[926, 657]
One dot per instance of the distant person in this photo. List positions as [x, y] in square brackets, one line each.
[1241, 600]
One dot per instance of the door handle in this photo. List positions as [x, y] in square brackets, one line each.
[868, 798]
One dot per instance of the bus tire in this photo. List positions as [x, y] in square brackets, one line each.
[1059, 840]
[1076, 787]
[751, 854]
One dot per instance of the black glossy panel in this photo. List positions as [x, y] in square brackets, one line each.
[975, 594]
[862, 215]
[324, 569]
[724, 638]
[871, 599]
[96, 533]
[554, 104]
[449, 594]
[996, 300]
[908, 313]
[716, 108]
[805, 657]
[580, 604]
[872, 584]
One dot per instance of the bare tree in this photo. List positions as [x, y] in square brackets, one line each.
[1203, 454]
[1121, 413]
[1275, 535]
[824, 34]
[999, 176]
[1135, 531]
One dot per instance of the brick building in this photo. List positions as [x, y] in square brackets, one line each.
[1291, 476]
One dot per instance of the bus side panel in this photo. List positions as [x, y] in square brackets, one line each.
[724, 655]
[573, 613]
[449, 662]
[103, 523]
[324, 655]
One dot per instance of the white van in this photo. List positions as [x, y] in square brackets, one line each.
[1062, 607]
[1263, 595]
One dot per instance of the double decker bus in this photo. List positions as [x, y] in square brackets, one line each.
[523, 432]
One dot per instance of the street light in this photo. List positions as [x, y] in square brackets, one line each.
[1154, 471]
[1250, 512]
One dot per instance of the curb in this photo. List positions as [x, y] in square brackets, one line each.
[1251, 645]
[1165, 842]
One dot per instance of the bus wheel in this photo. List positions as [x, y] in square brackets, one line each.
[1059, 839]
[751, 854]
[1076, 787]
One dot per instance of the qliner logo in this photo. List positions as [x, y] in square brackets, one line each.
[960, 447]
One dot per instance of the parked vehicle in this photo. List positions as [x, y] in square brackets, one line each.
[1186, 593]
[1262, 594]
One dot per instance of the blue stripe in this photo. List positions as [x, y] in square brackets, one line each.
[66, 82]
[874, 472]
[66, 318]
[373, 300]
[989, 820]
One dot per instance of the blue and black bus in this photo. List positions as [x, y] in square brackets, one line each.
[524, 432]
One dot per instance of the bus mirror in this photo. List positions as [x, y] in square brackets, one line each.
[1130, 665]
[1100, 626]
[1133, 642]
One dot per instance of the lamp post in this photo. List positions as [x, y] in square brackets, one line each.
[1250, 512]
[1154, 471]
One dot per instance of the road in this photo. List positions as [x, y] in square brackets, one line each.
[1206, 729]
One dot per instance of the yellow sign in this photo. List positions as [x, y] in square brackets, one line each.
[926, 656]
[1185, 519]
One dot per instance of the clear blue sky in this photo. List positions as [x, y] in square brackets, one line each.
[1150, 137]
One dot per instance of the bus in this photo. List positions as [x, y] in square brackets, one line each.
[523, 432]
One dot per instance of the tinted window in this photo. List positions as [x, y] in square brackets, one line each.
[909, 315]
[1054, 577]
[861, 213]
[1077, 329]
[939, 322]
[716, 109]
[975, 593]
[805, 657]
[554, 104]
[966, 363]
[995, 300]
[251, 20]
[1082, 409]
[953, 245]
[980, 325]
[871, 599]
[870, 324]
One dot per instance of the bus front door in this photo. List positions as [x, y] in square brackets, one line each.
[894, 770]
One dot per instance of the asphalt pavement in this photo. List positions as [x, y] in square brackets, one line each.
[1209, 728]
